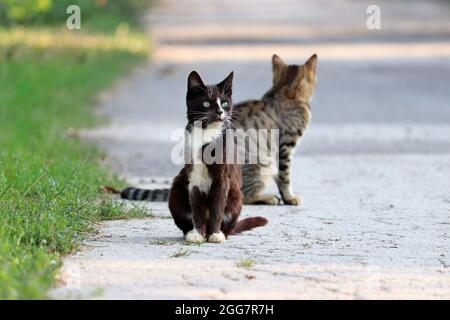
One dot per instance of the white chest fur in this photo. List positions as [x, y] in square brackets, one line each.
[199, 176]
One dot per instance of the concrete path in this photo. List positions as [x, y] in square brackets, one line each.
[373, 168]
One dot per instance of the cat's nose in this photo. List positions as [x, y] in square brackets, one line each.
[220, 114]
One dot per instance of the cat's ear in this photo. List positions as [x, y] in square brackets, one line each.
[226, 86]
[311, 63]
[277, 62]
[194, 80]
[277, 67]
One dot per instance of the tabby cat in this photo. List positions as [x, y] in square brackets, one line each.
[284, 107]
[205, 199]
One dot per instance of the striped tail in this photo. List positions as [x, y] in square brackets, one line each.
[248, 224]
[154, 195]
[131, 193]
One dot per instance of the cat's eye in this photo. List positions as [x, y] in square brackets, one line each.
[206, 104]
[224, 104]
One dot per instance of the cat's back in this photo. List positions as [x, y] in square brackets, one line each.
[270, 113]
[255, 114]
[248, 104]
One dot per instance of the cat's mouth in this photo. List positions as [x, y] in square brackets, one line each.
[218, 119]
[211, 121]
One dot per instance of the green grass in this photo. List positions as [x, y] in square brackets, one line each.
[163, 242]
[49, 183]
[245, 263]
[181, 253]
[96, 15]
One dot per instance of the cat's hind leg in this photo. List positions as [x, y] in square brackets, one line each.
[283, 178]
[254, 180]
[179, 203]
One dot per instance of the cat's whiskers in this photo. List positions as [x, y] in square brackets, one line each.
[237, 112]
[234, 124]
[237, 116]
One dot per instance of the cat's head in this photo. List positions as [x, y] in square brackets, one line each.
[209, 103]
[294, 81]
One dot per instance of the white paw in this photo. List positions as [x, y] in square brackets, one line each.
[217, 237]
[194, 236]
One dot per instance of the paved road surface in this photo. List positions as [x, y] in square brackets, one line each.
[372, 169]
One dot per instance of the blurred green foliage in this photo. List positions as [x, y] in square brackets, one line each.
[49, 179]
[53, 12]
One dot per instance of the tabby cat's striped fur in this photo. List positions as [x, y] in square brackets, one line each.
[145, 194]
[284, 107]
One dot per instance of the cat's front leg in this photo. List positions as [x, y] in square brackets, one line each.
[199, 216]
[217, 202]
[283, 178]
